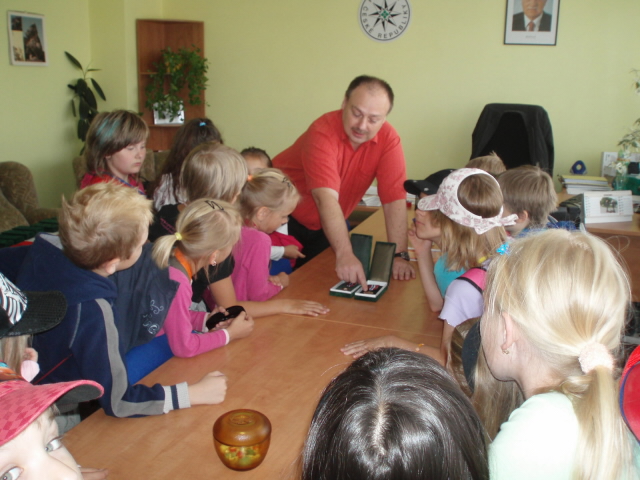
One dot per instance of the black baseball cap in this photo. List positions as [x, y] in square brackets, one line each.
[428, 186]
[28, 313]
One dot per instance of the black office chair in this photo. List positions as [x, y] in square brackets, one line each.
[519, 134]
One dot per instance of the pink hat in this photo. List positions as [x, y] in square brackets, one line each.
[446, 200]
[21, 403]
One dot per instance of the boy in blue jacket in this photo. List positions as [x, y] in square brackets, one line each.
[102, 231]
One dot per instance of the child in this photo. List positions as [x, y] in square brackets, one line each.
[491, 163]
[256, 158]
[205, 233]
[190, 135]
[266, 201]
[102, 231]
[216, 171]
[30, 446]
[529, 193]
[465, 219]
[282, 244]
[555, 311]
[115, 149]
[23, 314]
[394, 414]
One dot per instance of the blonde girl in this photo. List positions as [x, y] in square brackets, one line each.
[115, 149]
[206, 231]
[555, 311]
[213, 170]
[465, 219]
[266, 201]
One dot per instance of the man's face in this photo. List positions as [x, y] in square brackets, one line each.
[364, 113]
[533, 8]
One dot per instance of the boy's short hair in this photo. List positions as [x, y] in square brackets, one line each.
[529, 189]
[491, 163]
[102, 222]
[257, 152]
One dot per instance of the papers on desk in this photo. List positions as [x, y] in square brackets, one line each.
[371, 198]
[575, 184]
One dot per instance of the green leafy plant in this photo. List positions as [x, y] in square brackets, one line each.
[174, 71]
[631, 141]
[87, 107]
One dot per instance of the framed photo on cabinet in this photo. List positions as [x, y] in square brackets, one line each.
[531, 22]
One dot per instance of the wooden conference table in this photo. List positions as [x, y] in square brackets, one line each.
[280, 370]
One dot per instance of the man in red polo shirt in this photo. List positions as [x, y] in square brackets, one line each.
[334, 162]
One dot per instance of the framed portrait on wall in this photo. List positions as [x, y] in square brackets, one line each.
[27, 42]
[531, 22]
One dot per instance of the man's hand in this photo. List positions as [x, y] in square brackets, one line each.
[349, 269]
[403, 270]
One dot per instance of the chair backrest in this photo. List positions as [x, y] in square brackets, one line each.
[519, 134]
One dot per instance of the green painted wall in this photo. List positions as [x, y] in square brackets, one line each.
[277, 65]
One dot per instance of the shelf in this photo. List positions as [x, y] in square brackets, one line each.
[153, 36]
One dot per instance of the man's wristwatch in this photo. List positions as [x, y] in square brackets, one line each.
[403, 255]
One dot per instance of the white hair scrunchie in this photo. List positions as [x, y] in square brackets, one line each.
[595, 355]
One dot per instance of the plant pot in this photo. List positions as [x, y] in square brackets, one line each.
[162, 114]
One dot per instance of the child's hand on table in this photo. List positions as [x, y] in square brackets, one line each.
[240, 327]
[304, 307]
[291, 251]
[210, 390]
[281, 279]
[359, 348]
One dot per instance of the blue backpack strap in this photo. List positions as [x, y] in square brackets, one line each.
[476, 276]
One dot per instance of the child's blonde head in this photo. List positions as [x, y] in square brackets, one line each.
[203, 227]
[529, 189]
[267, 187]
[109, 133]
[566, 292]
[465, 248]
[103, 222]
[213, 170]
[491, 163]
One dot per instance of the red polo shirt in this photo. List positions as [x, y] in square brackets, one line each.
[323, 158]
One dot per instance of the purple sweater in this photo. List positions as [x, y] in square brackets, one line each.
[250, 276]
[182, 321]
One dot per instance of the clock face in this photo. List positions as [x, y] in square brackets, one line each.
[384, 20]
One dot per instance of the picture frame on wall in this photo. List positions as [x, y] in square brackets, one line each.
[27, 40]
[531, 22]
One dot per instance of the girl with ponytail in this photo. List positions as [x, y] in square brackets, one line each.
[555, 308]
[206, 231]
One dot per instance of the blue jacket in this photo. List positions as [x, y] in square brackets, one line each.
[87, 344]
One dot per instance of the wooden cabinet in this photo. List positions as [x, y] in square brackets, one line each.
[152, 37]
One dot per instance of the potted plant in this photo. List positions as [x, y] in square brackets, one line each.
[629, 144]
[175, 71]
[87, 104]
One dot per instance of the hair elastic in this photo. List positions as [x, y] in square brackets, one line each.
[249, 178]
[202, 124]
[178, 236]
[595, 355]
